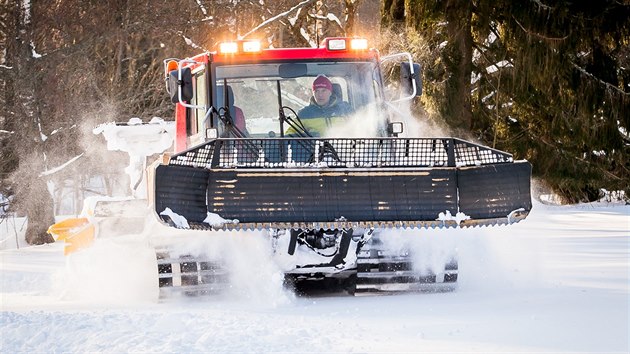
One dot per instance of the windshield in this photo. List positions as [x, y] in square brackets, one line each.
[253, 90]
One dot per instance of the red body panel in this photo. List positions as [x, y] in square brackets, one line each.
[266, 55]
[180, 128]
[282, 54]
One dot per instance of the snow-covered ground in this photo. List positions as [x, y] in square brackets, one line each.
[556, 283]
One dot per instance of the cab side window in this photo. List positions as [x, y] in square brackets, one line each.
[195, 121]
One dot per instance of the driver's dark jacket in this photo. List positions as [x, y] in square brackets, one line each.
[318, 118]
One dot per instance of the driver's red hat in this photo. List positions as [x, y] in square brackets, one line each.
[322, 82]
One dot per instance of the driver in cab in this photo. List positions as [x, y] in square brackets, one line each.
[324, 107]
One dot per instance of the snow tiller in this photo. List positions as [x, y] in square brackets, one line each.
[251, 155]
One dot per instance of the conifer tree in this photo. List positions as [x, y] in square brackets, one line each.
[549, 82]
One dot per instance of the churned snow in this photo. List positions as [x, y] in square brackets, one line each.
[139, 141]
[459, 217]
[554, 283]
[177, 219]
[217, 221]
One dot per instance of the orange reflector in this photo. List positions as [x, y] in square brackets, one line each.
[172, 65]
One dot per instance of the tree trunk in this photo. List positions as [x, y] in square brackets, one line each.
[392, 12]
[458, 60]
[39, 211]
[350, 11]
[31, 192]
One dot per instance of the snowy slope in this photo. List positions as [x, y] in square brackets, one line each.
[557, 282]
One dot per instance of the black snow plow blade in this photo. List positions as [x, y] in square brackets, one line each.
[342, 183]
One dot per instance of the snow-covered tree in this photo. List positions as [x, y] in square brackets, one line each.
[23, 115]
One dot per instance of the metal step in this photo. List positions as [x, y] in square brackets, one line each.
[366, 289]
[379, 270]
[190, 276]
[193, 290]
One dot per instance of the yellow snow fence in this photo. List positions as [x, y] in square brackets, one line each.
[77, 233]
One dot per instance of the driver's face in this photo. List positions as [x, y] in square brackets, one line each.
[322, 96]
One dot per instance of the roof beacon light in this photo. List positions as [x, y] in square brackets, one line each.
[171, 66]
[251, 46]
[359, 43]
[228, 47]
[337, 44]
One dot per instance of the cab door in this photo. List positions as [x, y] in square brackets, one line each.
[197, 120]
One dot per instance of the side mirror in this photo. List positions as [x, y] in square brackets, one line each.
[185, 85]
[408, 79]
[395, 128]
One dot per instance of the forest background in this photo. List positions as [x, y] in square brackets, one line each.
[548, 81]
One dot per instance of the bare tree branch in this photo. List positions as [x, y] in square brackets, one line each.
[538, 35]
[277, 17]
[608, 85]
[61, 167]
[541, 5]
